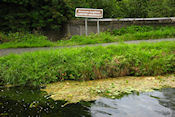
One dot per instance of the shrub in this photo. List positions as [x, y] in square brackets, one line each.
[22, 15]
[103, 37]
[132, 29]
[123, 34]
[29, 15]
[20, 39]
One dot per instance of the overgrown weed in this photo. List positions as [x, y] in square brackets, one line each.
[88, 63]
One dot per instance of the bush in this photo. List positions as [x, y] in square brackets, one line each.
[161, 8]
[131, 8]
[144, 32]
[123, 34]
[19, 39]
[29, 15]
[3, 38]
[47, 15]
[88, 63]
[103, 37]
[132, 29]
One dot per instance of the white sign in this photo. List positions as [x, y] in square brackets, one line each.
[89, 13]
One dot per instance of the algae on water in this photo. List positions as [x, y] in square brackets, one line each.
[75, 91]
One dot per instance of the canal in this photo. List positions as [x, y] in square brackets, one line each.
[28, 102]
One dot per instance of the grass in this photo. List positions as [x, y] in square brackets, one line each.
[104, 37]
[166, 32]
[22, 40]
[28, 44]
[88, 63]
[123, 34]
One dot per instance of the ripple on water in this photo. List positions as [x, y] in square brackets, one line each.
[36, 103]
[154, 104]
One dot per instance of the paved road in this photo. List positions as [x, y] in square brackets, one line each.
[21, 50]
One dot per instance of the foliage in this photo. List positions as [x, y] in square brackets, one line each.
[46, 15]
[22, 40]
[132, 8]
[104, 37]
[133, 29]
[161, 8]
[88, 63]
[30, 15]
[123, 34]
[128, 8]
[15, 40]
[107, 5]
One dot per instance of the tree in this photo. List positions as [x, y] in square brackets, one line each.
[22, 15]
[132, 8]
[159, 8]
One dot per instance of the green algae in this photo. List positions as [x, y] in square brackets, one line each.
[75, 91]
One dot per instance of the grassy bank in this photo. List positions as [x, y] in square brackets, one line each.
[88, 63]
[22, 40]
[123, 34]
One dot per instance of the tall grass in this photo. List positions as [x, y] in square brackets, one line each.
[88, 63]
[104, 37]
[123, 34]
[22, 40]
[145, 32]
[133, 29]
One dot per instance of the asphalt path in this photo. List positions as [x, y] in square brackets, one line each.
[22, 50]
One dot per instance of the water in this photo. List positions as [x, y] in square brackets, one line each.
[27, 102]
[155, 104]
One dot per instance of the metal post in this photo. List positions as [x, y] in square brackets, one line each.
[86, 27]
[98, 26]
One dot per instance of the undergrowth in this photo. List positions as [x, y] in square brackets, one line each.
[22, 40]
[123, 34]
[88, 63]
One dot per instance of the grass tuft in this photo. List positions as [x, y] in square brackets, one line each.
[123, 34]
[24, 40]
[88, 63]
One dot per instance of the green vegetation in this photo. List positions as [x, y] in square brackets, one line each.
[104, 37]
[123, 34]
[75, 91]
[50, 15]
[16, 40]
[88, 63]
[23, 21]
[33, 15]
[140, 29]
[22, 40]
[144, 32]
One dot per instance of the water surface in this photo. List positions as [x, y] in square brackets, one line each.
[23, 102]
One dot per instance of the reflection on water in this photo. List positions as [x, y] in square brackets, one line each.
[31, 102]
[154, 104]
[27, 102]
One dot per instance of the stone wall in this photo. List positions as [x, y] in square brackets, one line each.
[77, 27]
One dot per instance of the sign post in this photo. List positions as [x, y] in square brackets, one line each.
[98, 26]
[89, 13]
[86, 26]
